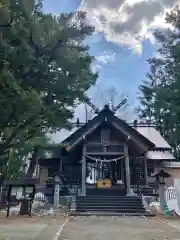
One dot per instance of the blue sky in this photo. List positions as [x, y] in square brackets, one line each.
[123, 41]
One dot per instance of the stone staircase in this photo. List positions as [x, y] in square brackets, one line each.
[108, 202]
[149, 190]
[145, 190]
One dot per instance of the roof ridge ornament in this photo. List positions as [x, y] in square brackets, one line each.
[106, 107]
[88, 102]
[122, 103]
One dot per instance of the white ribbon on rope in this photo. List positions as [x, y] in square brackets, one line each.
[106, 160]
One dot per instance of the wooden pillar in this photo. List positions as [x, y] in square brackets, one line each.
[61, 164]
[145, 171]
[83, 178]
[127, 169]
[122, 170]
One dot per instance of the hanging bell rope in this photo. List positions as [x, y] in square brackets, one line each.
[106, 160]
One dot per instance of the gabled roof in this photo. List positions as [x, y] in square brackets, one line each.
[108, 115]
[154, 136]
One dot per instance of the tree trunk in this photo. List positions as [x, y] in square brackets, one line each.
[24, 210]
[32, 164]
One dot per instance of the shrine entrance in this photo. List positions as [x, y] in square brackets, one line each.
[106, 147]
[109, 168]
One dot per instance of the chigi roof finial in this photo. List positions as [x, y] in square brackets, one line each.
[106, 106]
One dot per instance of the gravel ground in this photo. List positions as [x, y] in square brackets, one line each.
[27, 228]
[117, 228]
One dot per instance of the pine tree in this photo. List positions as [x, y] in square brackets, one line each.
[160, 92]
[45, 70]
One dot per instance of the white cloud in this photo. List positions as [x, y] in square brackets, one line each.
[127, 22]
[103, 59]
[96, 67]
[106, 57]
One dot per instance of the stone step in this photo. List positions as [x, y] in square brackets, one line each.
[113, 200]
[130, 198]
[110, 214]
[109, 204]
[111, 209]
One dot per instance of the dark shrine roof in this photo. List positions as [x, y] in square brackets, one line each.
[106, 115]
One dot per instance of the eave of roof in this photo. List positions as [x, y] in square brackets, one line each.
[160, 155]
[154, 136]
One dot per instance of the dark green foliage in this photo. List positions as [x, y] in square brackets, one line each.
[160, 93]
[45, 72]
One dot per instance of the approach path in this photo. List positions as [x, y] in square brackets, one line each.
[117, 228]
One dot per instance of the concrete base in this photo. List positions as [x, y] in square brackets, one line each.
[131, 193]
[82, 195]
[73, 204]
[65, 200]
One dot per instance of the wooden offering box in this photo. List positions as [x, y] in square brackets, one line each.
[104, 183]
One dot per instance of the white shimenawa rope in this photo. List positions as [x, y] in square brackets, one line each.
[105, 160]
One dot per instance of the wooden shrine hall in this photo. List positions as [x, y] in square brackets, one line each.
[107, 152]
